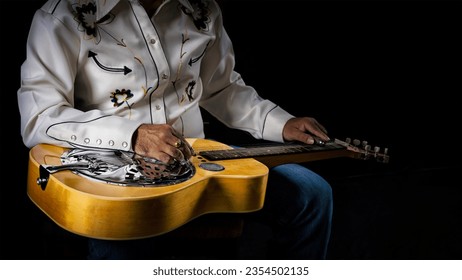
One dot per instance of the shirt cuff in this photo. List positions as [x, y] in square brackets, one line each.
[274, 124]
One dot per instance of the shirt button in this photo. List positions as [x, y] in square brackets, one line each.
[164, 76]
[152, 41]
[157, 107]
[99, 141]
[73, 137]
[86, 140]
[111, 143]
[124, 144]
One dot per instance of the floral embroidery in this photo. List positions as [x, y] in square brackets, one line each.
[200, 14]
[120, 97]
[85, 15]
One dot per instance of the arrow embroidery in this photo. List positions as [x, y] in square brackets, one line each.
[125, 69]
[194, 60]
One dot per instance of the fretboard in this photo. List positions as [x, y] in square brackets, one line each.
[269, 150]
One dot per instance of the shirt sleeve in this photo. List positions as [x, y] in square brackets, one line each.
[230, 100]
[46, 94]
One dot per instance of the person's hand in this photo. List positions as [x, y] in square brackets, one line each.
[161, 142]
[304, 129]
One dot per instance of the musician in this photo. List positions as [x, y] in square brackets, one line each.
[132, 75]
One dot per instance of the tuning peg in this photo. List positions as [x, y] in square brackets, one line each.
[383, 157]
[367, 153]
[364, 143]
[348, 140]
[376, 149]
[356, 142]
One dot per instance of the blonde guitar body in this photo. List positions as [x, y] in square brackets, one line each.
[104, 210]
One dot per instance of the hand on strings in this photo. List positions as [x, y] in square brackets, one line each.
[161, 142]
[306, 130]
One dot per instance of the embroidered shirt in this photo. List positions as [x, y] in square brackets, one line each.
[97, 69]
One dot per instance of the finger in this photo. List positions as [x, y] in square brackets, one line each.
[318, 130]
[172, 154]
[303, 137]
[181, 152]
[179, 156]
[188, 150]
[178, 143]
[175, 138]
[166, 158]
[184, 146]
[321, 135]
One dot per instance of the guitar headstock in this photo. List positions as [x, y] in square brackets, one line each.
[362, 150]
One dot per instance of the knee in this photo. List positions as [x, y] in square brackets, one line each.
[307, 188]
[316, 195]
[319, 190]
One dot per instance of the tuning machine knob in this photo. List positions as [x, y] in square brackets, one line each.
[366, 150]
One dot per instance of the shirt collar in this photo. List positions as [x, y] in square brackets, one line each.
[103, 7]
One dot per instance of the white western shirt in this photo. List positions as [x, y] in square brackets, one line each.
[97, 69]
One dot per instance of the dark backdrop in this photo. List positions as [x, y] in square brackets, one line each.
[388, 72]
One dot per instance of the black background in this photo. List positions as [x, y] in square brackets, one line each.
[388, 72]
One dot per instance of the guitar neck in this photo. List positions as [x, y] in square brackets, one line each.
[276, 154]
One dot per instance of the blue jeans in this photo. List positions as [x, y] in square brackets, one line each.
[297, 215]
